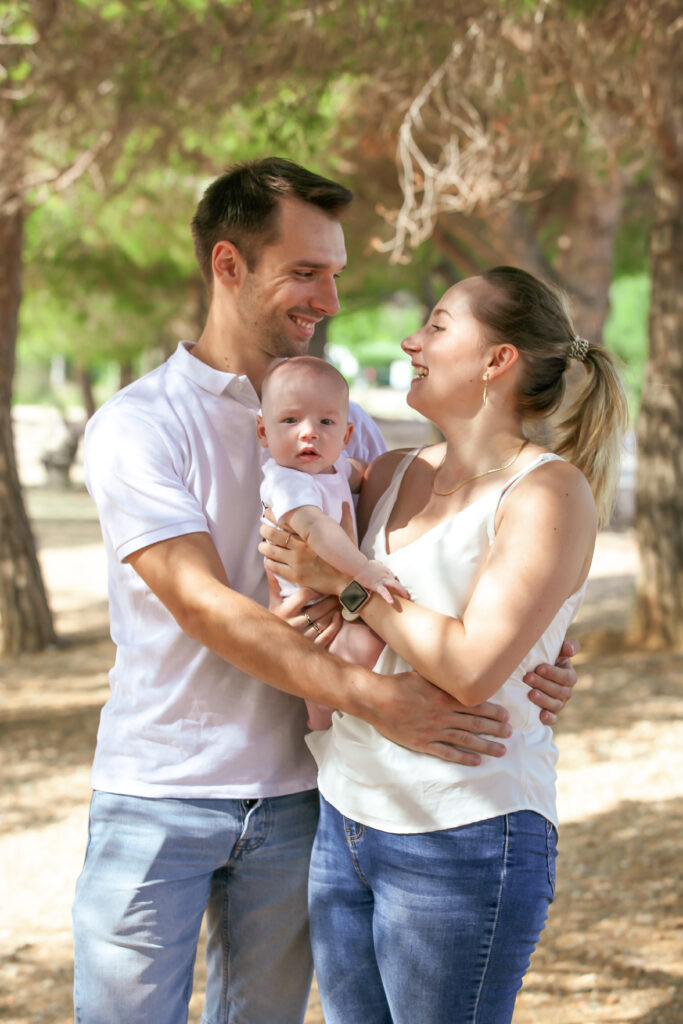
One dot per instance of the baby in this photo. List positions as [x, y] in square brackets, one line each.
[304, 422]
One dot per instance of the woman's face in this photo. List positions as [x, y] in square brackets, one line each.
[449, 355]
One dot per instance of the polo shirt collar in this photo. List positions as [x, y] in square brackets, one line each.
[216, 382]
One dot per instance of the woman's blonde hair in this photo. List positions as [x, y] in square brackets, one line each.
[534, 317]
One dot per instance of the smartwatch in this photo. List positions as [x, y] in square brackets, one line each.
[352, 599]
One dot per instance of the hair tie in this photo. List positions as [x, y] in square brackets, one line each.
[578, 348]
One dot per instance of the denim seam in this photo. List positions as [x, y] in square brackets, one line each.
[351, 840]
[550, 859]
[496, 917]
[225, 936]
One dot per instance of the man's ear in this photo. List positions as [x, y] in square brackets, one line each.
[227, 263]
[347, 435]
[502, 357]
[261, 432]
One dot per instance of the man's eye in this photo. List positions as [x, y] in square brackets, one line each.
[303, 273]
[437, 327]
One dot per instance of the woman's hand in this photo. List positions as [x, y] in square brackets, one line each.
[288, 556]
[320, 621]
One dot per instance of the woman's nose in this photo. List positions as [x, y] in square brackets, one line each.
[411, 343]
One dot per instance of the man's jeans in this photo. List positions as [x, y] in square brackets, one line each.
[151, 869]
[428, 928]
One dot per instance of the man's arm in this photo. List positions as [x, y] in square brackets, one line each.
[552, 685]
[187, 576]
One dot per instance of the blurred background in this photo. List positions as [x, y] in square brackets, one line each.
[542, 134]
[538, 133]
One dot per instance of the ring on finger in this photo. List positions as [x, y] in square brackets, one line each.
[286, 543]
[312, 622]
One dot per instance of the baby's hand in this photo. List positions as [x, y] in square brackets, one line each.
[375, 576]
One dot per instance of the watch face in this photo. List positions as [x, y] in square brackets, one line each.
[354, 596]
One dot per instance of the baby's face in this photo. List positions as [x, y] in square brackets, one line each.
[304, 421]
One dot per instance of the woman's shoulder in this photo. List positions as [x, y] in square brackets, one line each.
[553, 481]
[381, 470]
[377, 479]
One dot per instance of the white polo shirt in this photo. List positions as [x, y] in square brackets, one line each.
[176, 453]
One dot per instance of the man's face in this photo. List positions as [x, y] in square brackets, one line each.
[294, 283]
[304, 420]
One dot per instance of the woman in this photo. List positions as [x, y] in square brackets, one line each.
[430, 881]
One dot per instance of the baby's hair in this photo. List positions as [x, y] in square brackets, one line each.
[310, 364]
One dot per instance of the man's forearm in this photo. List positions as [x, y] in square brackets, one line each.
[188, 577]
[261, 645]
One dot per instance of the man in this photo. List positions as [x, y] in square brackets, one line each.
[204, 791]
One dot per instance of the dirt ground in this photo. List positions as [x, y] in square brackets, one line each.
[612, 950]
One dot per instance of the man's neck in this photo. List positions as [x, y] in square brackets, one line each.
[217, 347]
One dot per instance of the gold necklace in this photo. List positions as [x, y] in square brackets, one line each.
[477, 476]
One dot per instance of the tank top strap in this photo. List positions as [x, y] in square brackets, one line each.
[512, 483]
[386, 500]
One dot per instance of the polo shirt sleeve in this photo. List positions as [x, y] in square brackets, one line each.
[284, 489]
[136, 480]
[366, 440]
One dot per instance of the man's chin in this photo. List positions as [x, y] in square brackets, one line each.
[285, 348]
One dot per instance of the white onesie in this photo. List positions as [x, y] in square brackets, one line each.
[284, 489]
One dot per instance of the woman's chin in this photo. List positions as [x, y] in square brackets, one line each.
[413, 397]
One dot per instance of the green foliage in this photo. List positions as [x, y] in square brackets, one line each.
[626, 331]
[374, 334]
[104, 283]
[631, 246]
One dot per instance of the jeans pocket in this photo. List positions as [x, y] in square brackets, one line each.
[551, 852]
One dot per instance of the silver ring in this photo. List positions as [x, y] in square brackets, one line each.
[312, 622]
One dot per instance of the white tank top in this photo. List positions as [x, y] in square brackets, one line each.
[378, 783]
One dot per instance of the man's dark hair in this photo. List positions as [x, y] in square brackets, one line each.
[242, 207]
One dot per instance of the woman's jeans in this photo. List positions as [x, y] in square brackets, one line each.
[431, 928]
[151, 869]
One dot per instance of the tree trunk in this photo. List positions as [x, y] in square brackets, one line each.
[586, 253]
[126, 374]
[25, 619]
[84, 379]
[659, 489]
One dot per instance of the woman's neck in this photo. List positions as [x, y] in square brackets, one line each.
[474, 447]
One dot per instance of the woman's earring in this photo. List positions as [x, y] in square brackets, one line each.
[486, 387]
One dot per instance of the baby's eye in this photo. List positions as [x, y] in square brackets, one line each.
[289, 419]
[327, 422]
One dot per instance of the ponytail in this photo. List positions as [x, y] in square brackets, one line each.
[591, 434]
[534, 317]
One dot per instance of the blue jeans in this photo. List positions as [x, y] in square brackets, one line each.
[427, 928]
[151, 869]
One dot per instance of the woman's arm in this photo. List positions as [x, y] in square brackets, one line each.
[540, 555]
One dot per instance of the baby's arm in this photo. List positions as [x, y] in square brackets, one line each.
[327, 538]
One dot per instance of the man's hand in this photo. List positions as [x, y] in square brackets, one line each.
[320, 621]
[422, 717]
[553, 685]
